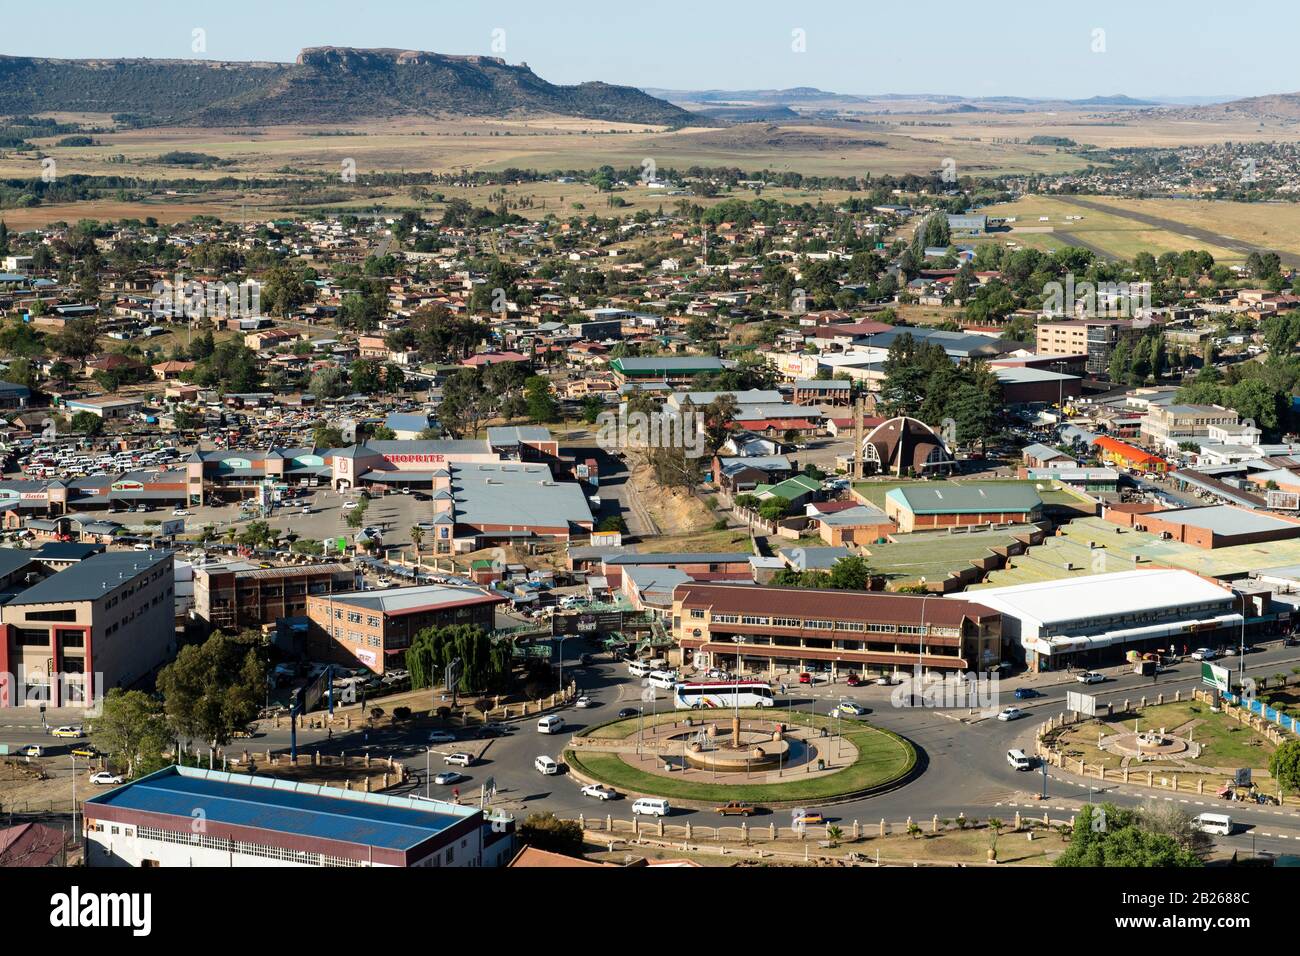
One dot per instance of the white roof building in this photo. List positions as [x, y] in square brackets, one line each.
[1093, 619]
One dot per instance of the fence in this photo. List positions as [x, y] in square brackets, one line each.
[1178, 779]
[1256, 706]
[744, 833]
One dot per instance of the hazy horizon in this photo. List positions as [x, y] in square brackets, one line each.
[1013, 48]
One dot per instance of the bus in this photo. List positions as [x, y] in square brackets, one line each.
[695, 695]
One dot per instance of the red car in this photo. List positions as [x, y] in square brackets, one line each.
[805, 678]
[852, 680]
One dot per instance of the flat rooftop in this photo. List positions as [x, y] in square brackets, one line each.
[92, 578]
[283, 806]
[410, 600]
[1224, 519]
[1119, 593]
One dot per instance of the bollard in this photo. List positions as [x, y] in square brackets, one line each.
[882, 826]
[934, 823]
[1017, 823]
[609, 823]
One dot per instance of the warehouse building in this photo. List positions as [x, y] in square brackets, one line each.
[1094, 620]
[249, 820]
[952, 505]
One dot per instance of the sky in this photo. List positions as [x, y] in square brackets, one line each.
[1039, 48]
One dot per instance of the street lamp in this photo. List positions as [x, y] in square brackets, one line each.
[920, 651]
[563, 638]
[735, 687]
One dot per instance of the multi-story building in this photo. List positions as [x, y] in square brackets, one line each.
[376, 627]
[775, 629]
[1169, 426]
[1096, 338]
[238, 594]
[112, 615]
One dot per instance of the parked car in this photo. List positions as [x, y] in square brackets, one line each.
[805, 678]
[736, 808]
[85, 750]
[441, 737]
[597, 791]
[1011, 713]
[459, 759]
[1090, 677]
[1019, 760]
[1203, 654]
[105, 779]
[31, 750]
[853, 680]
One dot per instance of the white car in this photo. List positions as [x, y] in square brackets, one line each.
[584, 702]
[106, 779]
[180, 513]
[448, 777]
[441, 737]
[459, 759]
[597, 791]
[1203, 654]
[349, 505]
[1090, 677]
[1011, 713]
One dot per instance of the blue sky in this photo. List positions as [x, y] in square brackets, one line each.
[998, 47]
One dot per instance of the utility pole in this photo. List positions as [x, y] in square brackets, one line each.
[857, 438]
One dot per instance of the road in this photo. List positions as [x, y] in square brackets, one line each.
[963, 756]
[1178, 228]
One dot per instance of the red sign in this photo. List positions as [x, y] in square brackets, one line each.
[415, 459]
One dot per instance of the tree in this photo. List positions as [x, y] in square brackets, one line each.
[417, 537]
[326, 436]
[850, 574]
[541, 404]
[1284, 765]
[131, 730]
[77, 339]
[214, 689]
[329, 382]
[88, 423]
[484, 665]
[465, 403]
[545, 831]
[774, 508]
[1109, 836]
[282, 290]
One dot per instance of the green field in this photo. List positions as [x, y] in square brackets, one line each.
[882, 757]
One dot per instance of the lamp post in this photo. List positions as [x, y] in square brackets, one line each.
[920, 652]
[735, 688]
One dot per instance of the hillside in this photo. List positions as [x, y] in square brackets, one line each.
[1274, 108]
[324, 85]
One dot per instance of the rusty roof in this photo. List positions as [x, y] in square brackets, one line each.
[821, 604]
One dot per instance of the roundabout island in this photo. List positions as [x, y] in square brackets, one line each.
[710, 757]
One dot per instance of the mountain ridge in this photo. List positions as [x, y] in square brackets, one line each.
[325, 84]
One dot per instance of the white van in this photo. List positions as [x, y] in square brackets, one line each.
[653, 806]
[546, 766]
[663, 680]
[1019, 760]
[1219, 823]
[638, 668]
[550, 724]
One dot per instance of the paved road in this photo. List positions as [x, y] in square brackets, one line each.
[963, 757]
[1179, 228]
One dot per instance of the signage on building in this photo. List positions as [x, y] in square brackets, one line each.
[415, 459]
[127, 486]
[366, 657]
[172, 526]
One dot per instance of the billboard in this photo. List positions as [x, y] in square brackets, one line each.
[1081, 703]
[602, 623]
[1215, 676]
[171, 527]
[1282, 501]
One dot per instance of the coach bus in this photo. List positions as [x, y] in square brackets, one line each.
[695, 695]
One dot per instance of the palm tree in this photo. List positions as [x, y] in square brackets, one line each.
[417, 538]
[834, 834]
[914, 830]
